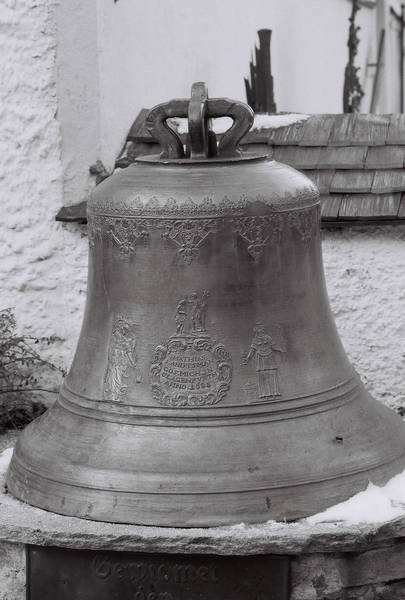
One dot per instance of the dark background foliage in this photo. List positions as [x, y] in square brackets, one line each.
[21, 371]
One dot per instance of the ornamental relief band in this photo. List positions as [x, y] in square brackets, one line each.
[190, 369]
[171, 208]
[188, 235]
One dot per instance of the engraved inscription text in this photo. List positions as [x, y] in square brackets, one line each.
[190, 369]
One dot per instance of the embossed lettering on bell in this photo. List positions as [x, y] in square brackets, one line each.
[209, 384]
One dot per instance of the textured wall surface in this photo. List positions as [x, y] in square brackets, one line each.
[41, 264]
[365, 274]
[78, 94]
[12, 571]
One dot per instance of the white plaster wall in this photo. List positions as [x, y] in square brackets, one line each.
[42, 264]
[77, 81]
[389, 91]
[150, 52]
[365, 274]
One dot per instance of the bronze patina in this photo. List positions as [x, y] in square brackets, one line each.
[209, 384]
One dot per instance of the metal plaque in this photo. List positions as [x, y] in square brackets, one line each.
[61, 574]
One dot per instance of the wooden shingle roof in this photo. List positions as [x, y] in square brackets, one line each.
[357, 161]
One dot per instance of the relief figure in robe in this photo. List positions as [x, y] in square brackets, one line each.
[121, 359]
[264, 349]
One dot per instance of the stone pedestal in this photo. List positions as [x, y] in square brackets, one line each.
[327, 561]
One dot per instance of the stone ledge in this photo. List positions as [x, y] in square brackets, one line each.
[349, 576]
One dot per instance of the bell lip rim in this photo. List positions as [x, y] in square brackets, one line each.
[364, 467]
[155, 159]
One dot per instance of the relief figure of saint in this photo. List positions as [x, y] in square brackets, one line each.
[264, 348]
[181, 315]
[198, 311]
[121, 359]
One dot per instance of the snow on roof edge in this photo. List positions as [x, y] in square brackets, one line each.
[261, 122]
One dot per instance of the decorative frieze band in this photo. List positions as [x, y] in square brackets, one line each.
[208, 207]
[188, 235]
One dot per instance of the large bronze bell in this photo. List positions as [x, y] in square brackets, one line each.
[209, 384]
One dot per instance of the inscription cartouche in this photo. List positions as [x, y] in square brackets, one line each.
[122, 359]
[190, 369]
[264, 349]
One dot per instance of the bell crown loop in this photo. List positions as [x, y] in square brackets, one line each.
[202, 141]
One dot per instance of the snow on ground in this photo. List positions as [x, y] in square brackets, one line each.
[222, 124]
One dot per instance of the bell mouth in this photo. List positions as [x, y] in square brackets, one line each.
[156, 159]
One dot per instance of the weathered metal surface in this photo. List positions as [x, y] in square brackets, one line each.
[209, 385]
[60, 574]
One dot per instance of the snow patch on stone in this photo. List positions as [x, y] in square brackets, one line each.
[5, 458]
[373, 505]
[276, 121]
